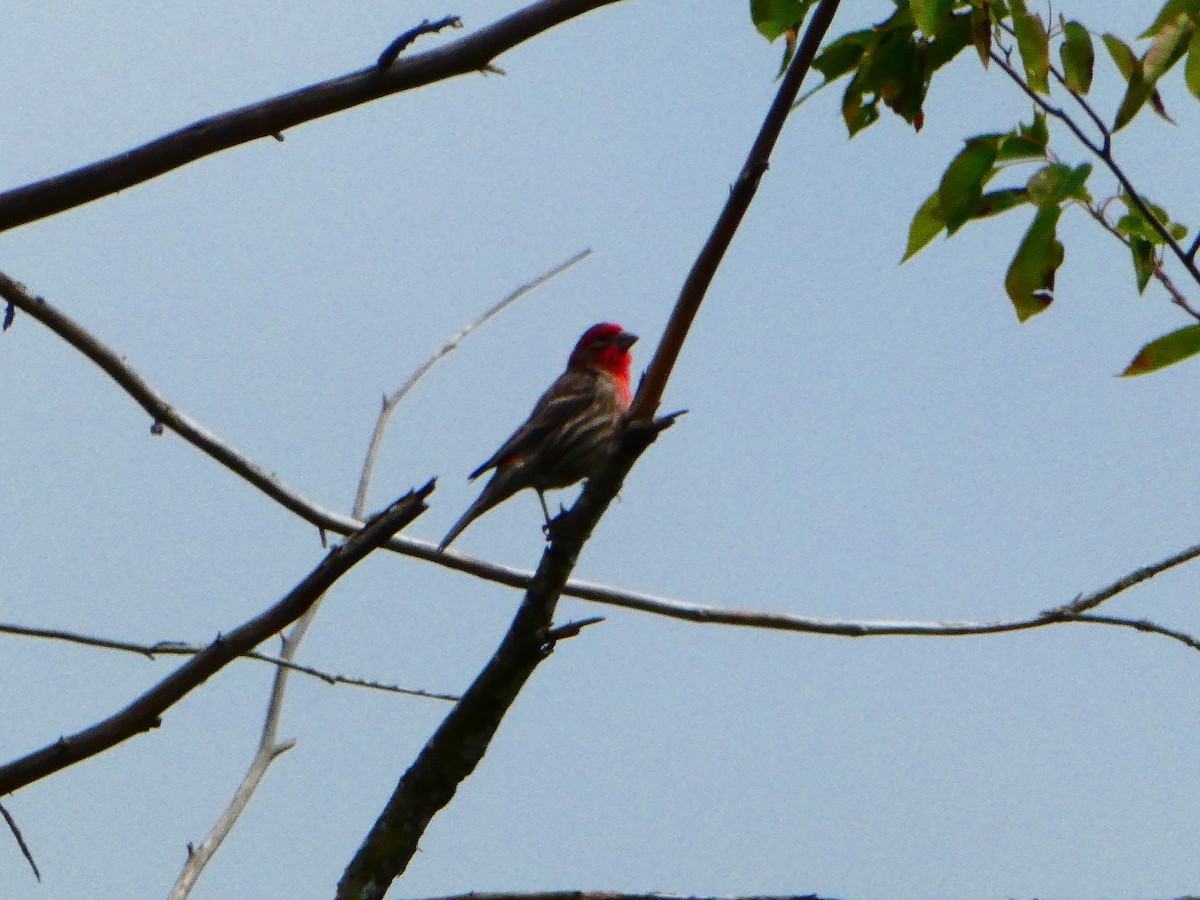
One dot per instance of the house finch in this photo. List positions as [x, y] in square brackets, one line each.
[571, 429]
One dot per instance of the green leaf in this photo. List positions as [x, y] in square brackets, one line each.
[1014, 146]
[1143, 261]
[1166, 351]
[981, 31]
[1034, 43]
[842, 56]
[1057, 182]
[926, 225]
[1191, 72]
[1167, 48]
[1171, 10]
[1136, 95]
[1135, 224]
[897, 73]
[1030, 278]
[995, 202]
[1078, 57]
[1122, 54]
[953, 37]
[1036, 130]
[1140, 87]
[774, 18]
[1047, 186]
[962, 183]
[930, 15]
[857, 112]
[1075, 186]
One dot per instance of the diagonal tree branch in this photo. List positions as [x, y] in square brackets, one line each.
[20, 839]
[270, 118]
[144, 712]
[691, 295]
[460, 742]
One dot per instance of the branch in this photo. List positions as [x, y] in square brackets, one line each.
[182, 648]
[691, 295]
[611, 895]
[1159, 273]
[398, 46]
[20, 839]
[460, 742]
[144, 712]
[270, 118]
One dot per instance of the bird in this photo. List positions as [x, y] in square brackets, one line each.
[571, 430]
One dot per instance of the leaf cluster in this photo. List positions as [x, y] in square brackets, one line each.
[892, 64]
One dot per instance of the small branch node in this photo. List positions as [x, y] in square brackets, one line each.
[396, 47]
[570, 629]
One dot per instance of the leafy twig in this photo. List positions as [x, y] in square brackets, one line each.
[1103, 152]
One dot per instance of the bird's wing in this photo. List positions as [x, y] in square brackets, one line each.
[568, 397]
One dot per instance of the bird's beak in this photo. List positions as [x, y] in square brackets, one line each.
[626, 339]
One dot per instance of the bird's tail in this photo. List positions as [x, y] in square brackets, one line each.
[493, 493]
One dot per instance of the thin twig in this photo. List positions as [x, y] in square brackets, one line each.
[1159, 273]
[16, 833]
[144, 713]
[270, 118]
[391, 401]
[182, 648]
[396, 47]
[1144, 625]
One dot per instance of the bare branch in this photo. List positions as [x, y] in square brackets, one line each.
[270, 118]
[16, 833]
[611, 895]
[182, 648]
[691, 295]
[144, 712]
[391, 401]
[1144, 625]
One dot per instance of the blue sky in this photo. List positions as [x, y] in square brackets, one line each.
[866, 441]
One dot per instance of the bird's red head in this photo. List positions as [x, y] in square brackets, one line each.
[604, 346]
